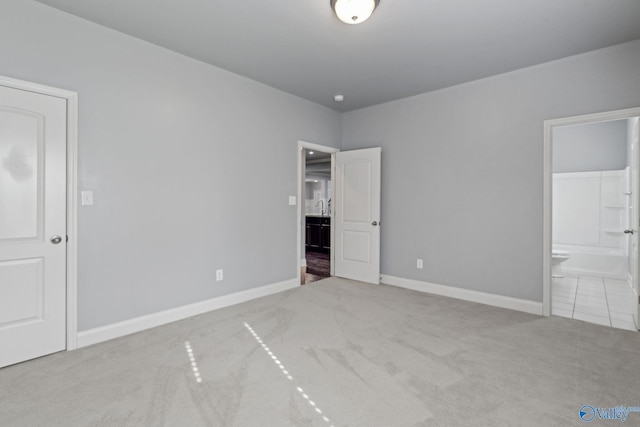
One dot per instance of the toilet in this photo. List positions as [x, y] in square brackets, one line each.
[557, 258]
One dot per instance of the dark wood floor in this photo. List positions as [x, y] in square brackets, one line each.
[318, 266]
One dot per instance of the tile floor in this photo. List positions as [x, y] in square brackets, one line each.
[593, 299]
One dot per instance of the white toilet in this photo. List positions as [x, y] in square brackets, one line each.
[557, 258]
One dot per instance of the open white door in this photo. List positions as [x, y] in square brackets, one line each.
[357, 215]
[33, 138]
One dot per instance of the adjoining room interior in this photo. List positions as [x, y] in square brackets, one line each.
[151, 156]
[318, 192]
[593, 242]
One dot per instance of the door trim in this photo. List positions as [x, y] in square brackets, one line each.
[548, 186]
[72, 195]
[300, 205]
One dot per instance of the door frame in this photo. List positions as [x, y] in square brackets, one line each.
[548, 187]
[72, 196]
[302, 145]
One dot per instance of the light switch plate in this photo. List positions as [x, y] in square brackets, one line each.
[292, 200]
[86, 198]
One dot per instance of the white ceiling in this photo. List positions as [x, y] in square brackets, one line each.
[407, 47]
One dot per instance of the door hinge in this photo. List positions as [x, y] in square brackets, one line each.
[67, 237]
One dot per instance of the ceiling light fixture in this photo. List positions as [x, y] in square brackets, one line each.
[354, 11]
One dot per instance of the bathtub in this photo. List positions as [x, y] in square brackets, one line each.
[596, 261]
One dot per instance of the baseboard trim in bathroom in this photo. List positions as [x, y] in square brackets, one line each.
[584, 272]
[501, 301]
[127, 327]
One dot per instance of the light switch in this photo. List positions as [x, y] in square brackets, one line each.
[86, 198]
[292, 200]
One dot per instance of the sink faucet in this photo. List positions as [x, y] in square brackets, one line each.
[321, 203]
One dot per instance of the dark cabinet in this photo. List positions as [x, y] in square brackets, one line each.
[313, 234]
[318, 237]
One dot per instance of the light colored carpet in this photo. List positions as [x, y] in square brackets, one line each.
[336, 353]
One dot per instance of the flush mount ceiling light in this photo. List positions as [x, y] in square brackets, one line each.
[353, 11]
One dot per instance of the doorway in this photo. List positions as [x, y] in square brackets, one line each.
[354, 215]
[590, 218]
[38, 220]
[316, 212]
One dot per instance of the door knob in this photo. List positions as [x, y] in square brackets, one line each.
[628, 231]
[374, 223]
[56, 239]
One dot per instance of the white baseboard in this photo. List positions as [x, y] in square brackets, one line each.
[126, 327]
[532, 307]
[585, 272]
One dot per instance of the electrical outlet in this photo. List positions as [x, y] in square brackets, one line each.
[419, 263]
[219, 275]
[86, 198]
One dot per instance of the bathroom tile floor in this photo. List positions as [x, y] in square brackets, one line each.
[604, 301]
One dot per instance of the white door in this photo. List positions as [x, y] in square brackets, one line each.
[32, 225]
[357, 215]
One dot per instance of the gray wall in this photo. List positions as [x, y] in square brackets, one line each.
[590, 147]
[630, 140]
[462, 168]
[172, 149]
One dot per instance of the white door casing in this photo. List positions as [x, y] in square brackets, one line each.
[33, 190]
[634, 216]
[357, 214]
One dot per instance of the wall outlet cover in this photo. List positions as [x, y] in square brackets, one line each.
[86, 198]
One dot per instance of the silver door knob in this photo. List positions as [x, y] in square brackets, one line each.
[56, 239]
[628, 231]
[374, 223]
